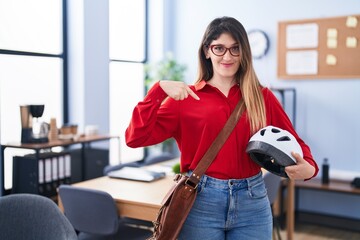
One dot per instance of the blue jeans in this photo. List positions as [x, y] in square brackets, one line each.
[229, 209]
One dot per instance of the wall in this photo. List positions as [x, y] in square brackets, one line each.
[327, 110]
[88, 40]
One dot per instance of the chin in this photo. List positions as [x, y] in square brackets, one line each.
[227, 75]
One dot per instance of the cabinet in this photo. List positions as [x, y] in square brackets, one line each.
[283, 92]
[81, 157]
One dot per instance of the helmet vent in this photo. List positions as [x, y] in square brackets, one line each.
[262, 132]
[284, 138]
[275, 130]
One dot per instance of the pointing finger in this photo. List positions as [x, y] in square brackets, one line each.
[191, 93]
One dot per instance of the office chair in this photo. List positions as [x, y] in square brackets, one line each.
[30, 216]
[94, 215]
[272, 183]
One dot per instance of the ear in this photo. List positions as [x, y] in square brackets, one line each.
[206, 52]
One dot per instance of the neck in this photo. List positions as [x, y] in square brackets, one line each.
[223, 85]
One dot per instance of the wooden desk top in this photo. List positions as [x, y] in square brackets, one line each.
[334, 186]
[140, 200]
[57, 143]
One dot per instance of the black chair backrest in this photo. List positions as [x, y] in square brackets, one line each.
[30, 216]
[89, 211]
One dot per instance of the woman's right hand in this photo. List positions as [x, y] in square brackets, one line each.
[177, 90]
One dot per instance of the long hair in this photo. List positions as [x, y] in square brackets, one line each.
[245, 76]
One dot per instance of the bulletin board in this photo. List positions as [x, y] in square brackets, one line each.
[319, 48]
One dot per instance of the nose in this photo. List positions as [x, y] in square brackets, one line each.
[227, 54]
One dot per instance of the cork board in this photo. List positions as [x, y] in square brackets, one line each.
[319, 48]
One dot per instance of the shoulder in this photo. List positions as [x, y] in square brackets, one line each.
[271, 100]
[267, 94]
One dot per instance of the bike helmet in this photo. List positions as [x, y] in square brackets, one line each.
[271, 148]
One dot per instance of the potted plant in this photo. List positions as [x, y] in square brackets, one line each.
[168, 69]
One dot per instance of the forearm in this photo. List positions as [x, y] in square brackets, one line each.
[149, 125]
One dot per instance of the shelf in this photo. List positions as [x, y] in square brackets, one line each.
[37, 147]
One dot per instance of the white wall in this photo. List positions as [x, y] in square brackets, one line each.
[89, 63]
[88, 56]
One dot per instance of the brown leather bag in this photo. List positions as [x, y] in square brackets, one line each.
[179, 200]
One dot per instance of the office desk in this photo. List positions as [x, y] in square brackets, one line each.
[333, 186]
[142, 200]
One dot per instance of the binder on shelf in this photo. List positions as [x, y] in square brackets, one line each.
[41, 173]
[67, 158]
[54, 174]
[61, 161]
[25, 175]
[48, 179]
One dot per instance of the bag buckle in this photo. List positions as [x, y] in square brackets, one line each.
[191, 184]
[177, 177]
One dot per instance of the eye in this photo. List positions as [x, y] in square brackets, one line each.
[219, 48]
[235, 49]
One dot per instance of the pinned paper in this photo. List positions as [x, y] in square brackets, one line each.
[351, 22]
[302, 35]
[302, 62]
[332, 33]
[351, 42]
[330, 59]
[332, 43]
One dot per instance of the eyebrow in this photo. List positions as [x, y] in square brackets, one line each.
[232, 45]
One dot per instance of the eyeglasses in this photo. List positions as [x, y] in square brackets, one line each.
[220, 50]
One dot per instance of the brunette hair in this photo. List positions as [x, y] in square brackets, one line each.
[245, 76]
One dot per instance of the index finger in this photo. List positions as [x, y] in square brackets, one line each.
[191, 93]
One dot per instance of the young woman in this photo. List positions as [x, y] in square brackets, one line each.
[232, 201]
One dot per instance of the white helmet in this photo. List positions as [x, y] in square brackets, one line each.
[271, 148]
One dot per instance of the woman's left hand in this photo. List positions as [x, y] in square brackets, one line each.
[302, 169]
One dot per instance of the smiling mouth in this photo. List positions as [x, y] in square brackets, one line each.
[226, 64]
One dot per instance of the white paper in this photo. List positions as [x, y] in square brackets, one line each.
[302, 36]
[302, 62]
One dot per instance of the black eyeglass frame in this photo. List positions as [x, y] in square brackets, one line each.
[226, 49]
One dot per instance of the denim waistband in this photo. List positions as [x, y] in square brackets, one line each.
[230, 183]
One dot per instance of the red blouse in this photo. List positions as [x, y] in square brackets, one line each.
[195, 123]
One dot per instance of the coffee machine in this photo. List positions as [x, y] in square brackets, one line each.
[33, 130]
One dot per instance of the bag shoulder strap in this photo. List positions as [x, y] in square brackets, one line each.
[217, 144]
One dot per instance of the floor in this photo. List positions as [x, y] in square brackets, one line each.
[316, 232]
